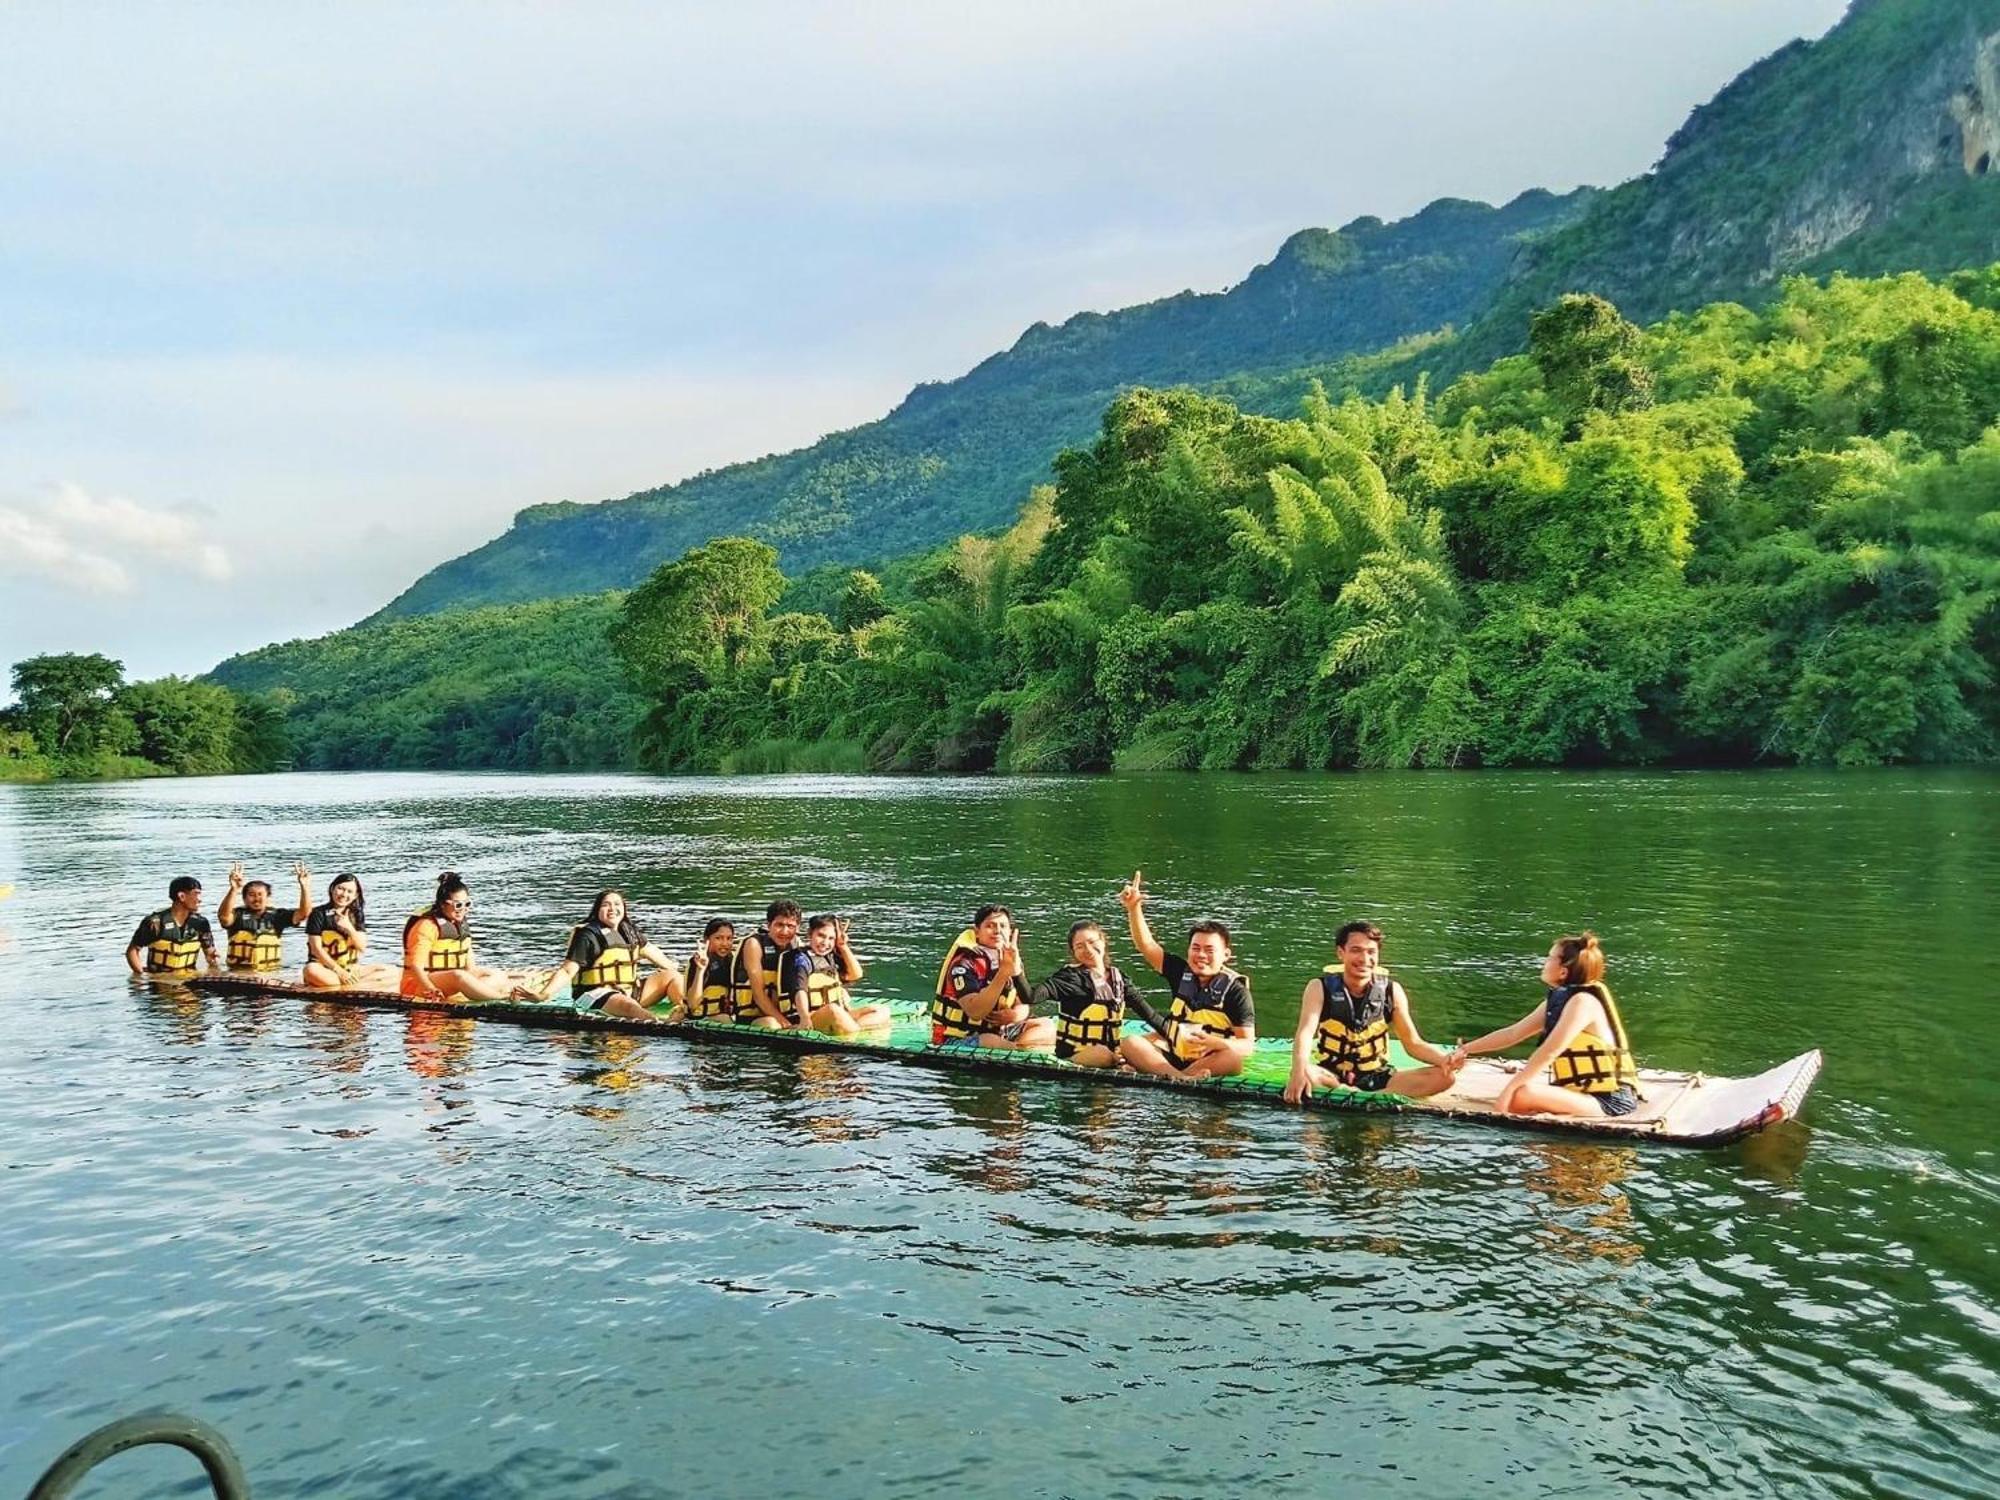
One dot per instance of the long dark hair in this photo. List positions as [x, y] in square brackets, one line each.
[358, 912]
[628, 931]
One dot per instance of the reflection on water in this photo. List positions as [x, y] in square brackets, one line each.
[397, 1254]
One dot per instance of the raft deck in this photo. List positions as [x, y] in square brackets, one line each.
[1682, 1109]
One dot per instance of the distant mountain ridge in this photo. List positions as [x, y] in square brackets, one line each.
[961, 455]
[1873, 149]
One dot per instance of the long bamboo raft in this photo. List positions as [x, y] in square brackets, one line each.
[1681, 1109]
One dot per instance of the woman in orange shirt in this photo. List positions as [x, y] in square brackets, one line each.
[437, 952]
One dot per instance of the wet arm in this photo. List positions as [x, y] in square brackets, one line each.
[1406, 1032]
[1143, 939]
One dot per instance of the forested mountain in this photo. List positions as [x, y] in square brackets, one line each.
[1874, 149]
[961, 455]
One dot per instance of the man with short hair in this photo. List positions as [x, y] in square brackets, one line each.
[1213, 1020]
[757, 981]
[1346, 1016]
[981, 998]
[168, 944]
[256, 933]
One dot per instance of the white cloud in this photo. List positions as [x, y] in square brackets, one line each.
[93, 544]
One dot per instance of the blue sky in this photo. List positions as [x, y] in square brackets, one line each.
[297, 301]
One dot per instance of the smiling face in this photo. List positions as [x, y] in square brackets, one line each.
[1087, 947]
[820, 939]
[995, 931]
[1359, 956]
[1206, 954]
[611, 910]
[342, 894]
[721, 942]
[256, 896]
[784, 929]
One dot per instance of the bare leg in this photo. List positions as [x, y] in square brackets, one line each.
[1420, 1083]
[659, 985]
[320, 976]
[873, 1018]
[1093, 1056]
[1147, 1055]
[474, 984]
[1039, 1035]
[1547, 1099]
[834, 1020]
[626, 1008]
[1223, 1062]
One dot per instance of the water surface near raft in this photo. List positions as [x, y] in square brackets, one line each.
[396, 1255]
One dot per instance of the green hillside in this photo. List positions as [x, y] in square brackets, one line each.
[960, 455]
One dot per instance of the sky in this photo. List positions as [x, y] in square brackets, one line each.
[297, 301]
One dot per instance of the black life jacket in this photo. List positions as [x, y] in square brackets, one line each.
[331, 938]
[256, 941]
[741, 991]
[1091, 1022]
[617, 961]
[176, 946]
[707, 986]
[1353, 1039]
[820, 974]
[1199, 1007]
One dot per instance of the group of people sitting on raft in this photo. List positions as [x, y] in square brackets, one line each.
[795, 973]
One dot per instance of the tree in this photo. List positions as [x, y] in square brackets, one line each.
[861, 603]
[1589, 358]
[697, 619]
[66, 702]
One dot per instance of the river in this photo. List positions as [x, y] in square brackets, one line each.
[396, 1256]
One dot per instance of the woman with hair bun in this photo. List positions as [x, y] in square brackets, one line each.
[1583, 1050]
[437, 952]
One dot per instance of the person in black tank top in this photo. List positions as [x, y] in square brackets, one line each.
[1346, 1017]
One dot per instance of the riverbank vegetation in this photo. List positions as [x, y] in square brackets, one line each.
[75, 717]
[1735, 537]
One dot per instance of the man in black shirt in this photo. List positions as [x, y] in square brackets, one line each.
[1213, 1021]
[169, 943]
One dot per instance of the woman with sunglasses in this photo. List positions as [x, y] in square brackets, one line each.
[437, 952]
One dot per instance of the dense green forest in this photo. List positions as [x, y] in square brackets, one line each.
[1737, 536]
[1871, 150]
[75, 716]
[524, 687]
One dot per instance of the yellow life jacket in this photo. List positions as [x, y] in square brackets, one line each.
[820, 974]
[741, 991]
[256, 941]
[1094, 1023]
[1589, 1064]
[176, 947]
[1198, 1008]
[948, 1018]
[709, 997]
[1353, 1038]
[338, 946]
[615, 963]
[450, 949]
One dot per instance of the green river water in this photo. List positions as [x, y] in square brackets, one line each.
[395, 1256]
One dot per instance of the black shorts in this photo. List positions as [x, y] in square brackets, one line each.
[1623, 1102]
[1369, 1083]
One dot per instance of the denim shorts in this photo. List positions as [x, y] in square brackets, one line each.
[1621, 1103]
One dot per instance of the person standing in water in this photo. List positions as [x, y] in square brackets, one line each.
[1213, 1020]
[981, 999]
[169, 944]
[820, 974]
[602, 964]
[256, 932]
[437, 952]
[1346, 1016]
[1583, 1050]
[758, 977]
[337, 940]
[1090, 994]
